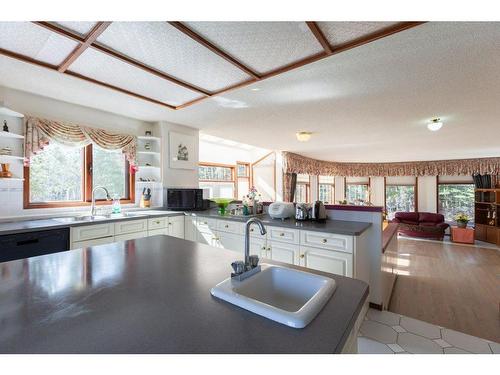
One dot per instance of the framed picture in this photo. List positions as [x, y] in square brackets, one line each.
[181, 151]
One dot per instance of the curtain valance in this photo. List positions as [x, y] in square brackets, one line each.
[40, 132]
[294, 163]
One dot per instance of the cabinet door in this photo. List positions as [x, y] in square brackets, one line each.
[158, 232]
[491, 234]
[230, 226]
[157, 223]
[283, 235]
[176, 226]
[327, 241]
[231, 241]
[283, 252]
[88, 232]
[336, 262]
[190, 228]
[98, 241]
[257, 247]
[131, 226]
[130, 236]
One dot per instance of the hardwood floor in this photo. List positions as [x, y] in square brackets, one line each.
[451, 285]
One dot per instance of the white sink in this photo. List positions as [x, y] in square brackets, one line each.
[285, 295]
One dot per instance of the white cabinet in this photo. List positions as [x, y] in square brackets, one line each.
[158, 232]
[283, 235]
[131, 226]
[130, 236]
[176, 226]
[88, 232]
[94, 242]
[336, 262]
[329, 241]
[190, 231]
[258, 247]
[284, 252]
[157, 223]
[230, 226]
[231, 241]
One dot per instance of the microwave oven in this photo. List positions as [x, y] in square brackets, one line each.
[185, 199]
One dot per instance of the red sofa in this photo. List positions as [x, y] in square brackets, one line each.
[421, 224]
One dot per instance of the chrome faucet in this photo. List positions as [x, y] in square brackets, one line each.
[247, 237]
[92, 207]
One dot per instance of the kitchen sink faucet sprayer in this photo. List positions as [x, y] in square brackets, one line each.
[92, 206]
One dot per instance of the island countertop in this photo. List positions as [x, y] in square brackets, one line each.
[151, 295]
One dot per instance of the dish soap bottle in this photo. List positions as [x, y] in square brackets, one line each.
[116, 206]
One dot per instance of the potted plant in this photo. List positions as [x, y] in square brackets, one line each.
[462, 220]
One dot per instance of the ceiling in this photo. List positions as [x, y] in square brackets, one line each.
[369, 103]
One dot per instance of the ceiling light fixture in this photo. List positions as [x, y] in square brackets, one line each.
[255, 89]
[435, 124]
[303, 136]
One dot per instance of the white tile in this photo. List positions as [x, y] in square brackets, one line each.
[385, 317]
[367, 346]
[421, 328]
[378, 331]
[466, 342]
[417, 344]
[398, 329]
[455, 351]
[395, 348]
[442, 343]
[495, 348]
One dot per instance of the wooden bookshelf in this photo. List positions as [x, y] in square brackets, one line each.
[487, 213]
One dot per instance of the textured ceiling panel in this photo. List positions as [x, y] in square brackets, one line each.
[165, 48]
[78, 27]
[34, 41]
[107, 69]
[263, 46]
[342, 32]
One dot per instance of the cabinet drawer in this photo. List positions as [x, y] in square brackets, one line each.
[156, 232]
[329, 241]
[157, 223]
[95, 242]
[130, 236]
[284, 235]
[205, 224]
[230, 226]
[255, 232]
[89, 232]
[131, 226]
[336, 262]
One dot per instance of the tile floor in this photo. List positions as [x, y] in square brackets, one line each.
[384, 332]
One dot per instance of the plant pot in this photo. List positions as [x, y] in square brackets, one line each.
[462, 224]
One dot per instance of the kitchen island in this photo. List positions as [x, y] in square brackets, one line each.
[152, 295]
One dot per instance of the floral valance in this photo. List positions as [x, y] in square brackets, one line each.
[40, 132]
[294, 163]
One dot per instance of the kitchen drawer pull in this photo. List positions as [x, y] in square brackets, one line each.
[169, 223]
[251, 229]
[269, 248]
[282, 234]
[27, 242]
[325, 240]
[205, 222]
[226, 226]
[302, 255]
[157, 222]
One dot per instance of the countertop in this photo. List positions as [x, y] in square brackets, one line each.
[351, 228]
[151, 295]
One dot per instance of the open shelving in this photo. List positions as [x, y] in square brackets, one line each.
[13, 139]
[149, 151]
[486, 215]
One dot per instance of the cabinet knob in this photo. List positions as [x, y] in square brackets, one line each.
[282, 234]
[169, 223]
[269, 248]
[302, 255]
[226, 226]
[325, 240]
[251, 229]
[157, 221]
[205, 223]
[263, 248]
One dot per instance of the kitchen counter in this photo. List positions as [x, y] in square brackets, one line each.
[151, 295]
[33, 225]
[350, 228]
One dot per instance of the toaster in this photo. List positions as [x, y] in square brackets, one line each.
[281, 210]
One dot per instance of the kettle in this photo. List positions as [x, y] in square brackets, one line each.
[318, 212]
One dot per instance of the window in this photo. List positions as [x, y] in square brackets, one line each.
[399, 198]
[302, 190]
[243, 181]
[455, 198]
[64, 176]
[326, 189]
[218, 179]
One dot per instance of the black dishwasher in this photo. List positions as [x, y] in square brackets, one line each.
[31, 244]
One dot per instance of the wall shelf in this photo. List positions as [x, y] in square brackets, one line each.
[148, 138]
[148, 166]
[148, 152]
[11, 179]
[9, 112]
[11, 135]
[11, 157]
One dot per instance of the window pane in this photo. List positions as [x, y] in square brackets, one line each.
[56, 174]
[109, 171]
[356, 193]
[242, 170]
[218, 189]
[399, 198]
[215, 173]
[301, 195]
[454, 199]
[326, 193]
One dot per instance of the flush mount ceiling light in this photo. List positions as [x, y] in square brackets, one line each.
[303, 136]
[255, 89]
[435, 124]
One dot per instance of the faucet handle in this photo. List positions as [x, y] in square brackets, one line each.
[254, 260]
[238, 267]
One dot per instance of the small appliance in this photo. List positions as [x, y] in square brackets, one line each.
[302, 211]
[185, 200]
[281, 210]
[318, 212]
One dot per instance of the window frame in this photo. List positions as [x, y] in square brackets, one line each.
[415, 193]
[233, 175]
[86, 187]
[452, 183]
[368, 186]
[307, 187]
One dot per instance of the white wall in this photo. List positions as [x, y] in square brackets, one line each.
[211, 152]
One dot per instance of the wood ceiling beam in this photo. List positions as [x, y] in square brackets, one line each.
[89, 39]
[205, 43]
[54, 68]
[59, 30]
[320, 37]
